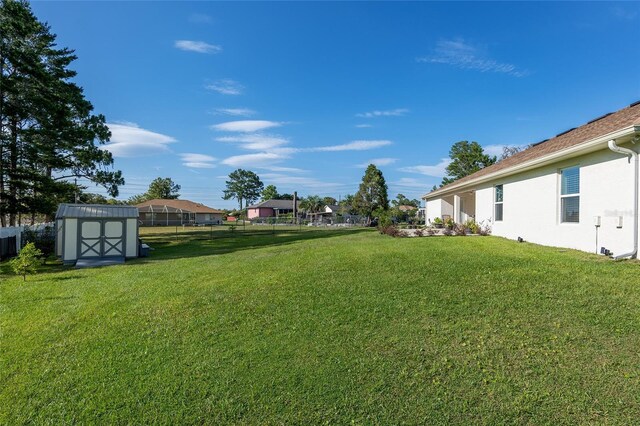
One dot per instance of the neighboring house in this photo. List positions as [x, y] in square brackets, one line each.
[271, 208]
[177, 212]
[578, 189]
[406, 208]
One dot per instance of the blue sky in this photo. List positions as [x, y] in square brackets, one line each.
[307, 94]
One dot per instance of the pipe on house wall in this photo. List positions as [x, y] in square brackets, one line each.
[634, 155]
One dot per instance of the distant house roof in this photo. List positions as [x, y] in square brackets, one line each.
[599, 127]
[332, 207]
[95, 211]
[275, 204]
[406, 208]
[173, 206]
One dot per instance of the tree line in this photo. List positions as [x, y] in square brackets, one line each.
[48, 131]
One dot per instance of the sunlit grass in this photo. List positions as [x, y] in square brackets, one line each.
[312, 326]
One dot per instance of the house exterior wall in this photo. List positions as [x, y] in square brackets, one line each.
[209, 218]
[260, 212]
[531, 206]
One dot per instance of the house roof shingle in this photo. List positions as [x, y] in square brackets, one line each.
[603, 125]
[184, 205]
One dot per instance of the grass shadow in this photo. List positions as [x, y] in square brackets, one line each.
[170, 246]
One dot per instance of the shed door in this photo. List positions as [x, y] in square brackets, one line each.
[101, 238]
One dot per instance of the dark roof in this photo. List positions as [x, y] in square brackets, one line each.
[275, 204]
[95, 211]
[173, 206]
[600, 126]
[333, 207]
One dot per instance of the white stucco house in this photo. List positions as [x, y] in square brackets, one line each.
[577, 190]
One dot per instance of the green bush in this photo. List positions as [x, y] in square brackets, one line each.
[44, 240]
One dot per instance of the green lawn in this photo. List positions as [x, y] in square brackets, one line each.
[315, 326]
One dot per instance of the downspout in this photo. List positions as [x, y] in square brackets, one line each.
[634, 155]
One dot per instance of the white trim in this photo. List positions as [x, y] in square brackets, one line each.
[582, 148]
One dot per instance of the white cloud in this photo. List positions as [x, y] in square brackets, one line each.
[130, 140]
[363, 126]
[245, 126]
[301, 183]
[262, 159]
[462, 55]
[411, 183]
[197, 46]
[353, 146]
[255, 141]
[197, 161]
[285, 169]
[624, 13]
[438, 170]
[200, 18]
[378, 162]
[226, 86]
[236, 112]
[389, 113]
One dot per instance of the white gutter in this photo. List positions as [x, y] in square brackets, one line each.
[632, 155]
[575, 150]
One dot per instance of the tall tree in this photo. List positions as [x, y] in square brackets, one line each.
[347, 205]
[285, 196]
[243, 185]
[270, 192]
[312, 204]
[330, 200]
[466, 158]
[372, 194]
[163, 188]
[48, 133]
[402, 200]
[159, 188]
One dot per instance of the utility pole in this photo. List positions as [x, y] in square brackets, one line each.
[75, 182]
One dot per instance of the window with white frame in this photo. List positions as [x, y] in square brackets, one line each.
[570, 195]
[499, 200]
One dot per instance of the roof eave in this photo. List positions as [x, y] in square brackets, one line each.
[585, 147]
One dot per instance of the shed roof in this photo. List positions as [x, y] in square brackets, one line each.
[95, 211]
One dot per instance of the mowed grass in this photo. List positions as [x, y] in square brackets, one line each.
[313, 326]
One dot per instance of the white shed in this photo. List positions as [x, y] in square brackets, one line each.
[94, 231]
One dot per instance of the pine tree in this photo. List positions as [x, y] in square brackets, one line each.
[372, 194]
[48, 133]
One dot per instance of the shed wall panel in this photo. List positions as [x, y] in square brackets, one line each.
[70, 239]
[132, 238]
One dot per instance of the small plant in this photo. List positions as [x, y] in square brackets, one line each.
[390, 230]
[484, 229]
[437, 222]
[460, 230]
[449, 223]
[232, 228]
[471, 226]
[26, 261]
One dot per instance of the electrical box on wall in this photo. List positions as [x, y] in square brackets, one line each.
[596, 220]
[619, 222]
